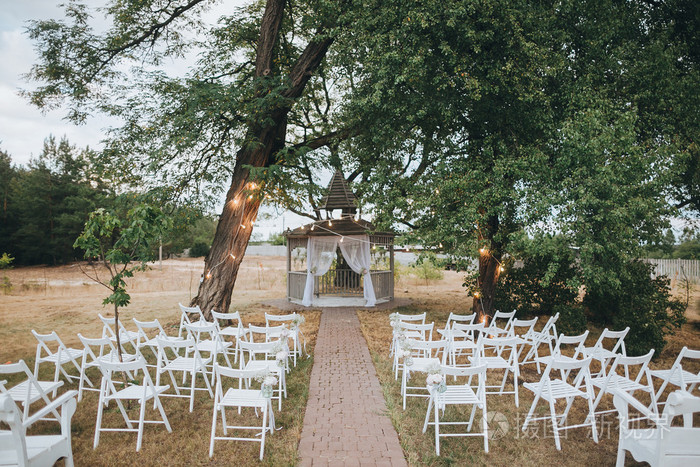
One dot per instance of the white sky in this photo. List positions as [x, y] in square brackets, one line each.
[23, 128]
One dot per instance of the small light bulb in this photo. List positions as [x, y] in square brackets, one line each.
[441, 245]
[232, 256]
[243, 226]
[330, 223]
[208, 275]
[483, 251]
[313, 226]
[341, 239]
[501, 269]
[477, 294]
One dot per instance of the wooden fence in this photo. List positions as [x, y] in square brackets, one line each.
[677, 269]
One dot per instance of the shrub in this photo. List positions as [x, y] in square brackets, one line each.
[199, 249]
[546, 279]
[572, 320]
[426, 268]
[642, 303]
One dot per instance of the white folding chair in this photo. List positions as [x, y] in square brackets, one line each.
[423, 355]
[94, 351]
[185, 318]
[230, 325]
[462, 341]
[664, 444]
[141, 393]
[415, 331]
[288, 320]
[574, 381]
[16, 448]
[30, 390]
[456, 318]
[499, 353]
[603, 355]
[461, 393]
[493, 328]
[677, 375]
[148, 332]
[535, 339]
[124, 336]
[240, 398]
[260, 358]
[566, 345]
[178, 362]
[207, 339]
[628, 374]
[62, 355]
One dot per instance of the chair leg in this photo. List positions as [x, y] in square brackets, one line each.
[403, 387]
[427, 414]
[620, 461]
[484, 418]
[437, 428]
[213, 431]
[555, 427]
[142, 414]
[532, 410]
[262, 437]
[162, 414]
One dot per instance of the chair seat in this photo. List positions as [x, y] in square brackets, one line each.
[674, 377]
[72, 354]
[422, 364]
[211, 346]
[547, 359]
[38, 447]
[136, 392]
[19, 392]
[457, 395]
[492, 362]
[230, 331]
[185, 364]
[262, 365]
[599, 353]
[243, 398]
[560, 389]
[619, 382]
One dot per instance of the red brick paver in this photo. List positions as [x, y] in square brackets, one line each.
[345, 421]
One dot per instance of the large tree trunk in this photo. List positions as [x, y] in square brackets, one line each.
[242, 201]
[489, 270]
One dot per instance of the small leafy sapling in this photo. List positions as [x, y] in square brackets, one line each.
[123, 246]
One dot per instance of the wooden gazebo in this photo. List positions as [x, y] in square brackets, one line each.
[340, 285]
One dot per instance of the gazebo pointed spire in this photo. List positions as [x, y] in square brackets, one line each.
[339, 195]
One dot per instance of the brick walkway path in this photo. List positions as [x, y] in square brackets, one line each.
[345, 421]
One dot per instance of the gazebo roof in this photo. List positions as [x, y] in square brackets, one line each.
[339, 195]
[345, 226]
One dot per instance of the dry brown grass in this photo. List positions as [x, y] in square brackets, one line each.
[536, 447]
[62, 299]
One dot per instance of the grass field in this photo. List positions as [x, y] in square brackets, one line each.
[63, 299]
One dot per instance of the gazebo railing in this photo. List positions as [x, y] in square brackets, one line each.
[341, 282]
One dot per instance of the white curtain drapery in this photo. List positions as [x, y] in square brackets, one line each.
[355, 250]
[320, 252]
